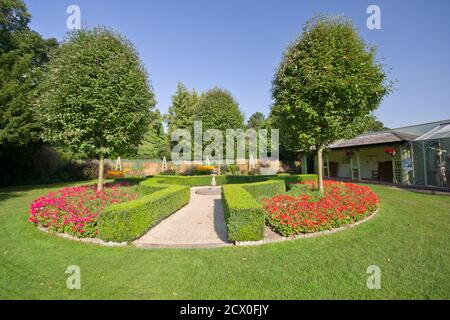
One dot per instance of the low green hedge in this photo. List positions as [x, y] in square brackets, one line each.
[244, 215]
[130, 220]
[267, 189]
[194, 181]
[163, 195]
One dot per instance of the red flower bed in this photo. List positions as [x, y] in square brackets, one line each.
[75, 210]
[341, 203]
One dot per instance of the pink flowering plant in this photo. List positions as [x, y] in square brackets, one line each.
[75, 210]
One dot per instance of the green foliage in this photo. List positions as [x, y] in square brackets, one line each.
[404, 239]
[256, 121]
[22, 54]
[302, 189]
[244, 215]
[233, 169]
[155, 143]
[327, 84]
[296, 178]
[14, 17]
[163, 195]
[130, 220]
[191, 181]
[182, 110]
[217, 109]
[194, 181]
[95, 96]
[267, 189]
[373, 124]
[20, 71]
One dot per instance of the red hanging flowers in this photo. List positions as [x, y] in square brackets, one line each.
[390, 151]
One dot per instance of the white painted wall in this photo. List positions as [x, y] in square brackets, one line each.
[368, 157]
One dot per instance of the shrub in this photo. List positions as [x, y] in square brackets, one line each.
[268, 188]
[171, 172]
[341, 203]
[300, 189]
[243, 214]
[75, 210]
[204, 170]
[90, 169]
[233, 169]
[130, 220]
[114, 174]
[193, 181]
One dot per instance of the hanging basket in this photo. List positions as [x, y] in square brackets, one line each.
[390, 151]
[349, 153]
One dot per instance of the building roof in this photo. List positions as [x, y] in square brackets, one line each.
[374, 138]
[440, 132]
[421, 129]
[418, 132]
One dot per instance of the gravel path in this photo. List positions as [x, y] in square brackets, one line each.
[200, 223]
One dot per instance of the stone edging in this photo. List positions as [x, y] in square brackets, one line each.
[237, 243]
[306, 235]
[87, 240]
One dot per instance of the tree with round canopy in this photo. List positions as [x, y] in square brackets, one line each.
[327, 85]
[95, 97]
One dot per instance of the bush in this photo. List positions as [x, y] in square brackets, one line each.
[193, 181]
[268, 188]
[243, 213]
[90, 169]
[233, 169]
[244, 216]
[128, 221]
[204, 170]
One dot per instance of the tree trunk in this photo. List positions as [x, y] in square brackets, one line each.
[100, 174]
[320, 168]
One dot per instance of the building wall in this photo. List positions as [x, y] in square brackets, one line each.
[369, 157]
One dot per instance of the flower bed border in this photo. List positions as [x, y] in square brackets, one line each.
[306, 235]
[86, 240]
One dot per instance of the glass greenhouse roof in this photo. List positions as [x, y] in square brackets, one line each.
[440, 132]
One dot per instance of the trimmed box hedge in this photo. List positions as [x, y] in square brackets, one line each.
[163, 195]
[244, 215]
[128, 221]
[267, 189]
[194, 181]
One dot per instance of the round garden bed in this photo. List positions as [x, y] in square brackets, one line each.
[255, 213]
[303, 209]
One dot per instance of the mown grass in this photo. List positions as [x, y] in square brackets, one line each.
[408, 239]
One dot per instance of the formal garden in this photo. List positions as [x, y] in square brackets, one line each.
[407, 238]
[211, 231]
[124, 212]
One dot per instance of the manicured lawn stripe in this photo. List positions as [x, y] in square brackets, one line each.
[408, 240]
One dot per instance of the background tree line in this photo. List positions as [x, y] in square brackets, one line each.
[89, 97]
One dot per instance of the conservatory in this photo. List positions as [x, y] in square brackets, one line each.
[413, 155]
[431, 157]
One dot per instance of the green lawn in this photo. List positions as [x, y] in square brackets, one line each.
[409, 239]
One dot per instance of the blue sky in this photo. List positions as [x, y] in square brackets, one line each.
[237, 45]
